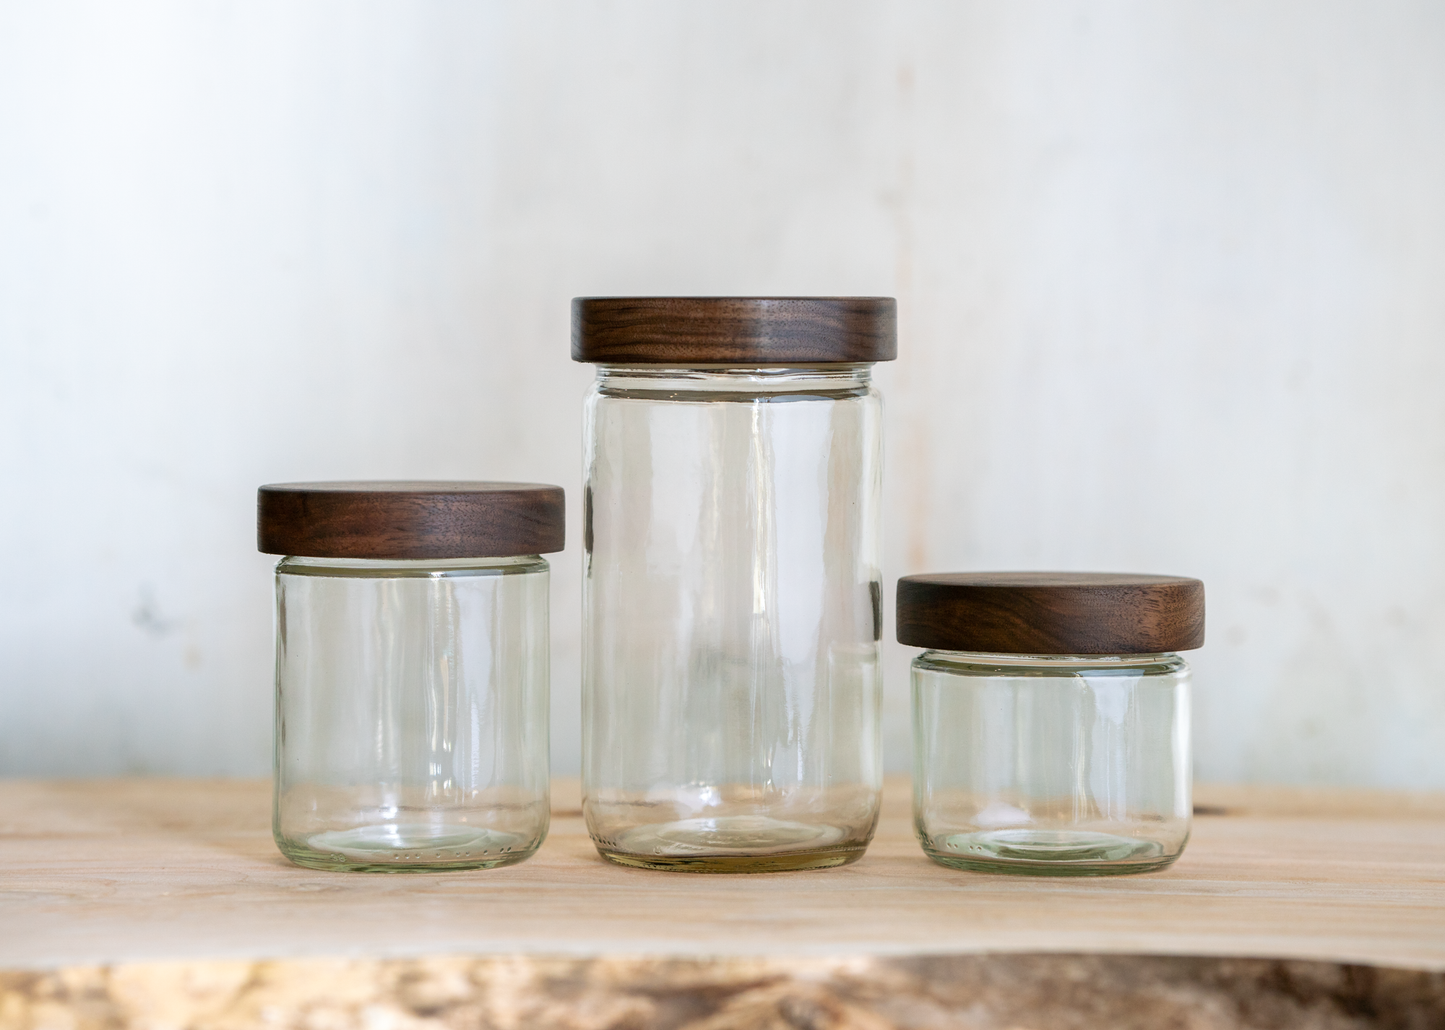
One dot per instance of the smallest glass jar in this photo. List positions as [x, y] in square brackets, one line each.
[411, 671]
[1051, 719]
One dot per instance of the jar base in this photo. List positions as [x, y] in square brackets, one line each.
[732, 844]
[392, 848]
[1048, 853]
[785, 863]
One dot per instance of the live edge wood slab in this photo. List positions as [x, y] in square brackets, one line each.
[163, 903]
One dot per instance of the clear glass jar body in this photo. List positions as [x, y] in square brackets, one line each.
[731, 617]
[411, 712]
[1053, 765]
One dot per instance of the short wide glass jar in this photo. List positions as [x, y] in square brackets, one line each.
[731, 587]
[1051, 719]
[411, 671]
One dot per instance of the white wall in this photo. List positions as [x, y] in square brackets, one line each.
[1172, 283]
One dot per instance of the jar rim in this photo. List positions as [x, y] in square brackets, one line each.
[1048, 659]
[409, 568]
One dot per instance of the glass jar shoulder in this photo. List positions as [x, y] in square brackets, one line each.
[994, 666]
[722, 384]
[438, 568]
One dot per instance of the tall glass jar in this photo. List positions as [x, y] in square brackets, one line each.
[731, 589]
[411, 671]
[1051, 719]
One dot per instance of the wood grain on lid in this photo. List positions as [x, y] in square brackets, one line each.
[409, 520]
[1051, 613]
[682, 331]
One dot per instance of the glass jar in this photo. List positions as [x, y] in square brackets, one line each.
[1051, 719]
[411, 671]
[731, 588]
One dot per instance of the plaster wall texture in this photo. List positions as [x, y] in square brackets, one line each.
[1170, 282]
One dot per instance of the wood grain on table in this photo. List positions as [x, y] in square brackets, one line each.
[106, 871]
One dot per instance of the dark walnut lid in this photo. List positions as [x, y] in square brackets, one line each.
[1051, 613]
[409, 520]
[686, 331]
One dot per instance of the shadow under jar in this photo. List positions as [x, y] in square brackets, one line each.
[1051, 719]
[731, 588]
[411, 671]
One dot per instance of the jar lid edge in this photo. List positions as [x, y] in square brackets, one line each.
[1044, 613]
[410, 519]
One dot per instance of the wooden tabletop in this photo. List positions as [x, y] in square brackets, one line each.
[95, 872]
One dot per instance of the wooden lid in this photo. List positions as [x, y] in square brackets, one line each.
[1048, 613]
[683, 331]
[409, 520]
